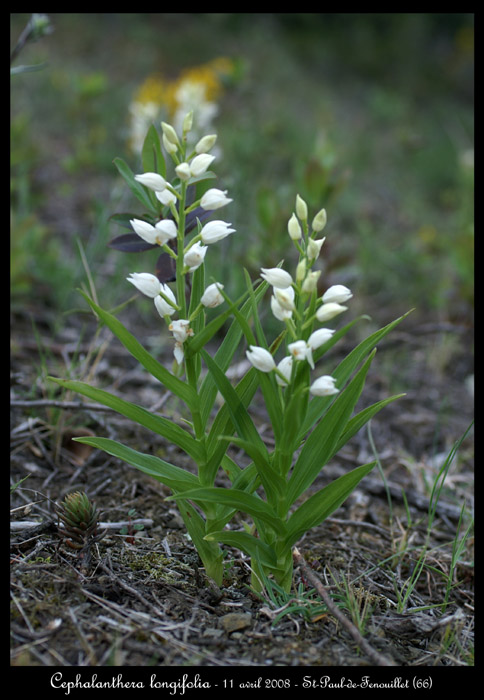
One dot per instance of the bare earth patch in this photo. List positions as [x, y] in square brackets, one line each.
[140, 597]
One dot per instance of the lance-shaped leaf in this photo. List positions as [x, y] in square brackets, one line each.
[179, 481]
[321, 442]
[222, 425]
[274, 485]
[319, 405]
[224, 355]
[131, 243]
[247, 543]
[136, 188]
[168, 474]
[361, 418]
[209, 552]
[162, 426]
[320, 506]
[180, 388]
[240, 417]
[245, 502]
[151, 153]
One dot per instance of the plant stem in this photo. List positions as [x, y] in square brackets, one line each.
[180, 278]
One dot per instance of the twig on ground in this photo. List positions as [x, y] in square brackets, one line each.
[37, 403]
[373, 654]
[18, 525]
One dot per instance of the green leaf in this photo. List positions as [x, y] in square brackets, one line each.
[274, 485]
[157, 424]
[224, 355]
[209, 552]
[207, 175]
[238, 413]
[181, 389]
[320, 506]
[247, 543]
[361, 419]
[296, 401]
[206, 334]
[179, 481]
[222, 425]
[151, 153]
[320, 444]
[246, 502]
[318, 405]
[136, 188]
[168, 474]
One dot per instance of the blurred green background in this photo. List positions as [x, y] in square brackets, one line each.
[369, 115]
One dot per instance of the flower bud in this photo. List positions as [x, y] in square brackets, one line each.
[162, 306]
[279, 311]
[329, 310]
[319, 337]
[169, 146]
[215, 231]
[166, 197]
[285, 367]
[337, 294]
[214, 199]
[301, 270]
[311, 281]
[319, 221]
[285, 298]
[178, 352]
[183, 171]
[166, 230]
[170, 133]
[301, 208]
[188, 122]
[260, 358]
[152, 180]
[276, 277]
[211, 296]
[206, 143]
[146, 283]
[324, 386]
[314, 247]
[200, 164]
[294, 228]
[194, 256]
[144, 230]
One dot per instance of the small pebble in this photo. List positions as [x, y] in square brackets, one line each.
[235, 621]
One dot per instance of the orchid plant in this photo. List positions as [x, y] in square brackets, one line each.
[312, 414]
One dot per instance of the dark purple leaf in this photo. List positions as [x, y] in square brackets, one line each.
[131, 243]
[191, 220]
[165, 268]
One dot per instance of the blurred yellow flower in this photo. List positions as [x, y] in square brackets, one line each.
[197, 88]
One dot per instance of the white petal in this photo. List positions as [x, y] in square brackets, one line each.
[337, 294]
[276, 277]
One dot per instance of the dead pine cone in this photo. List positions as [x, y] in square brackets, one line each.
[79, 518]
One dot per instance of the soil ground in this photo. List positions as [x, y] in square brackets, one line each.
[141, 598]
